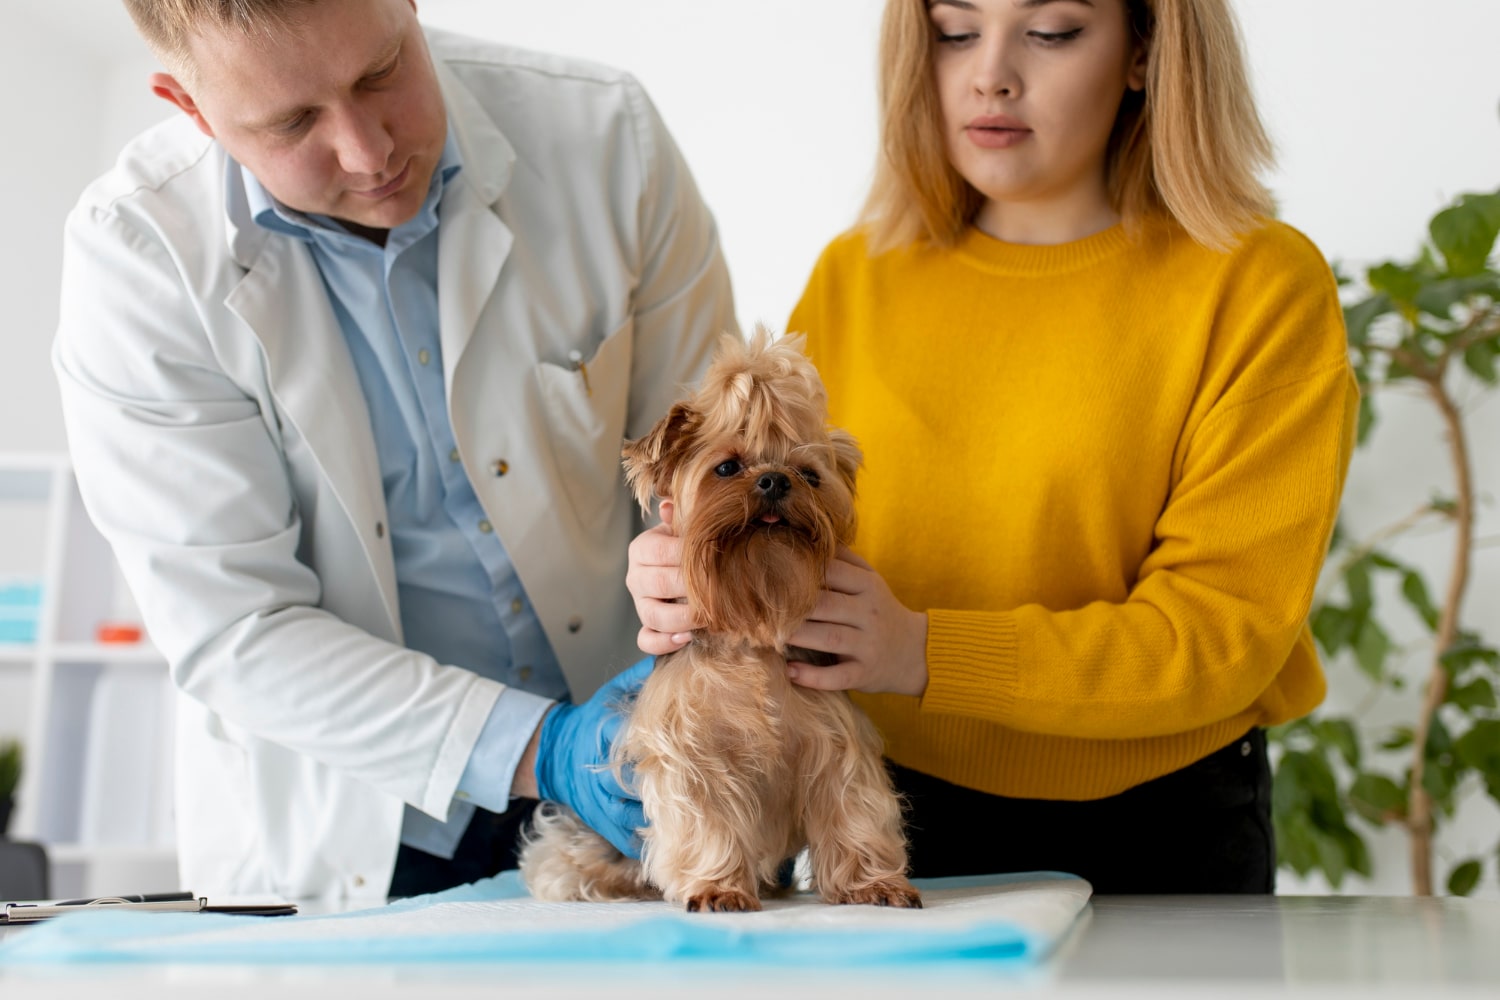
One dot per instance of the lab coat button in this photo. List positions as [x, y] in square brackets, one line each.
[575, 623]
[499, 467]
[379, 529]
[359, 881]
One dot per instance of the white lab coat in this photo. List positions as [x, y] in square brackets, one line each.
[223, 447]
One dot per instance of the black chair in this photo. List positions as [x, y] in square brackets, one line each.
[23, 871]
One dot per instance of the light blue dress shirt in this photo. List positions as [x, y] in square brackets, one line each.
[461, 601]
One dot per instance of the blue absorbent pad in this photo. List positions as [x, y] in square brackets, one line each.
[1015, 919]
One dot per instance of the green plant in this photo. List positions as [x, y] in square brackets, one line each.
[10, 768]
[1432, 325]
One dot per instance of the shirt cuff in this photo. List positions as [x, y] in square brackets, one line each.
[492, 764]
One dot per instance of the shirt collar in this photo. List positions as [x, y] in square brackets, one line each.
[270, 214]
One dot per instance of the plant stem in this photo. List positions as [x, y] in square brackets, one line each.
[1419, 813]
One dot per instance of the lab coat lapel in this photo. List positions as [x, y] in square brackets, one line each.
[473, 242]
[283, 300]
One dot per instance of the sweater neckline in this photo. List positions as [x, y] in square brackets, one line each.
[990, 254]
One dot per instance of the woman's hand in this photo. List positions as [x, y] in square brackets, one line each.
[881, 644]
[654, 580]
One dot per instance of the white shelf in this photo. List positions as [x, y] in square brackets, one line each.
[93, 791]
[72, 854]
[106, 652]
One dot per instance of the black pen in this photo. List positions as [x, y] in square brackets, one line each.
[139, 897]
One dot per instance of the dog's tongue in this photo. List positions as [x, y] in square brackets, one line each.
[770, 519]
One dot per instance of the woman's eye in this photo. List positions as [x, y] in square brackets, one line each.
[1056, 37]
[957, 38]
[728, 468]
[810, 477]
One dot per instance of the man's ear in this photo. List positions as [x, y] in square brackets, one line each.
[165, 86]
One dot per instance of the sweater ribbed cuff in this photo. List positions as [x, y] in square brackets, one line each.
[971, 664]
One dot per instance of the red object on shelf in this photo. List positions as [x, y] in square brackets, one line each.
[117, 632]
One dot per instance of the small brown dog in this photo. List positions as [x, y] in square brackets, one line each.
[737, 768]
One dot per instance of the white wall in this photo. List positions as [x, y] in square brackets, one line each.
[1382, 109]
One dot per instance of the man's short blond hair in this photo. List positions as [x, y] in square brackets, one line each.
[168, 26]
[1191, 146]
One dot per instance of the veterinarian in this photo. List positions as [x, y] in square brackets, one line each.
[347, 352]
[1107, 413]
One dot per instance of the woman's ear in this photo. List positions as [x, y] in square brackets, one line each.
[1140, 61]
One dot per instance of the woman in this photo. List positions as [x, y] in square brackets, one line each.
[1107, 412]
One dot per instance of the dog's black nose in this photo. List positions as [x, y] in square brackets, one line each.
[774, 485]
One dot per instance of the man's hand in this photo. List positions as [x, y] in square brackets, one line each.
[655, 581]
[881, 644]
[573, 761]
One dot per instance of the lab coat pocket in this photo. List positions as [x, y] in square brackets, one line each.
[586, 404]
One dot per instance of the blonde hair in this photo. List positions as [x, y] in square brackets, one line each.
[1191, 146]
[168, 26]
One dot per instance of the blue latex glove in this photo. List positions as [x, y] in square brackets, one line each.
[572, 761]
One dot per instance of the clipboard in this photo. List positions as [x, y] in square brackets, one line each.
[177, 902]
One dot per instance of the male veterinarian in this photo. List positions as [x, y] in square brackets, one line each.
[347, 353]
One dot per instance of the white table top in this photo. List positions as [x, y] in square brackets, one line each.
[1161, 946]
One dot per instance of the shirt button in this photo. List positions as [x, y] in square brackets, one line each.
[464, 796]
[454, 456]
[499, 467]
[486, 527]
[1245, 749]
[524, 673]
[575, 623]
[379, 529]
[516, 606]
[423, 357]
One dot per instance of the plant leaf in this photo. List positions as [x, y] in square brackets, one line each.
[1371, 647]
[1479, 358]
[1478, 693]
[1341, 735]
[1333, 627]
[1377, 798]
[1401, 737]
[1399, 284]
[1358, 317]
[1465, 235]
[1414, 589]
[1463, 879]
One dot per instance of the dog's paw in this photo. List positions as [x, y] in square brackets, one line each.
[722, 901]
[902, 895]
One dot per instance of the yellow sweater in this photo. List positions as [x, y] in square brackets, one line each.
[1108, 471]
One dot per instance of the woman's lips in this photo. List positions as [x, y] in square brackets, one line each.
[996, 136]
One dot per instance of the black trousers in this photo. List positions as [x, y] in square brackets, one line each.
[489, 846]
[1203, 829]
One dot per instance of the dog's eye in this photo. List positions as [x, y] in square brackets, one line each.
[728, 468]
[810, 477]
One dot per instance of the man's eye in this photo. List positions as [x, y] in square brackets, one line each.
[810, 477]
[727, 468]
[295, 125]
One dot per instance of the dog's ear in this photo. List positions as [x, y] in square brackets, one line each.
[651, 460]
[846, 456]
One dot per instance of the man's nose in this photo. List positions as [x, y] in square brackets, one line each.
[364, 145]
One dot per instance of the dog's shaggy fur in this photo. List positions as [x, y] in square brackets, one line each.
[737, 768]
